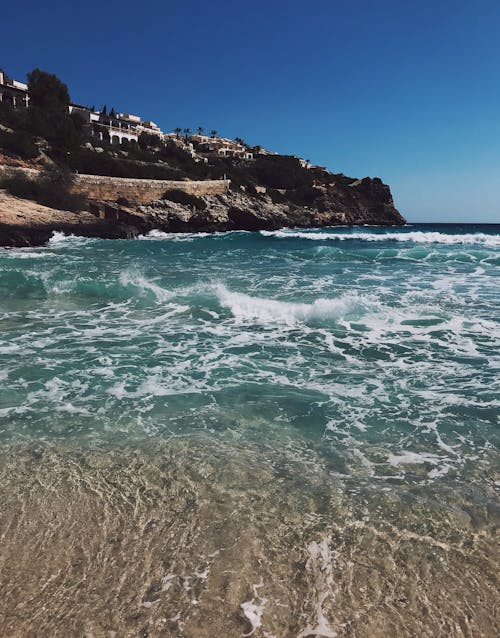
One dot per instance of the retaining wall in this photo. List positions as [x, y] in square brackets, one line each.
[136, 191]
[142, 191]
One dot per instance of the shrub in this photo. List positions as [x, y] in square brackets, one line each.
[180, 197]
[61, 130]
[16, 183]
[276, 196]
[281, 171]
[19, 143]
[305, 195]
[83, 160]
[47, 92]
[51, 188]
[149, 140]
[14, 118]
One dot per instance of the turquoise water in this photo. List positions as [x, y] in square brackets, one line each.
[367, 356]
[384, 344]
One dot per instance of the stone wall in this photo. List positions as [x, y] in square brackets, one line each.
[135, 191]
[142, 191]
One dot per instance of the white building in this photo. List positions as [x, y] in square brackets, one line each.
[13, 92]
[113, 128]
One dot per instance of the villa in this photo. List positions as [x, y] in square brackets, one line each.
[223, 147]
[13, 92]
[116, 128]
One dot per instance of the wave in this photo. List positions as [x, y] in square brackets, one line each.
[421, 253]
[264, 310]
[58, 238]
[159, 234]
[418, 237]
[27, 253]
[145, 285]
[156, 234]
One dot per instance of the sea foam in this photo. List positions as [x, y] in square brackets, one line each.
[264, 310]
[419, 237]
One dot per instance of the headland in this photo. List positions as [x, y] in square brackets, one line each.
[70, 168]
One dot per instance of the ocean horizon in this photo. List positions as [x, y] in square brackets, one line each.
[276, 433]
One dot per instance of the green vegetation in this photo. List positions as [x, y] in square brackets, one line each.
[281, 171]
[180, 197]
[304, 195]
[51, 188]
[276, 196]
[87, 161]
[19, 143]
[17, 119]
[47, 117]
[150, 159]
[149, 140]
[66, 140]
[47, 92]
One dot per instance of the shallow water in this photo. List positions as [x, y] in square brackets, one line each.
[288, 433]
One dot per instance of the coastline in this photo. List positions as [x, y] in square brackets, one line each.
[26, 223]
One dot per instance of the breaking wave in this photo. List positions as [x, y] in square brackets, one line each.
[418, 237]
[264, 310]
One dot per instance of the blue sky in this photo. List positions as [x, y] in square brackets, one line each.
[408, 91]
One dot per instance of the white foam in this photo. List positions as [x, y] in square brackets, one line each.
[419, 237]
[253, 611]
[166, 581]
[264, 310]
[156, 234]
[136, 279]
[159, 234]
[59, 238]
[25, 253]
[320, 565]
[413, 458]
[70, 408]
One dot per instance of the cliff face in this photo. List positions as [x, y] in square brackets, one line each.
[366, 201]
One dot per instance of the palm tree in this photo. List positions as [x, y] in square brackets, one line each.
[177, 131]
[200, 130]
[213, 133]
[187, 131]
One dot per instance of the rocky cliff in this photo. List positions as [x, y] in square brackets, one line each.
[365, 201]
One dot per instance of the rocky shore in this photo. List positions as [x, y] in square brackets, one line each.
[364, 201]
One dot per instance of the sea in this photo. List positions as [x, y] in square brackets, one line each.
[277, 434]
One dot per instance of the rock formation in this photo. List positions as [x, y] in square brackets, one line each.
[348, 202]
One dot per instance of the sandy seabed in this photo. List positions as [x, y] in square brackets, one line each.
[192, 538]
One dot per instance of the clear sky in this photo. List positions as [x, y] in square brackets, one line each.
[405, 90]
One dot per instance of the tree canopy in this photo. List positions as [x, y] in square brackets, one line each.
[47, 92]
